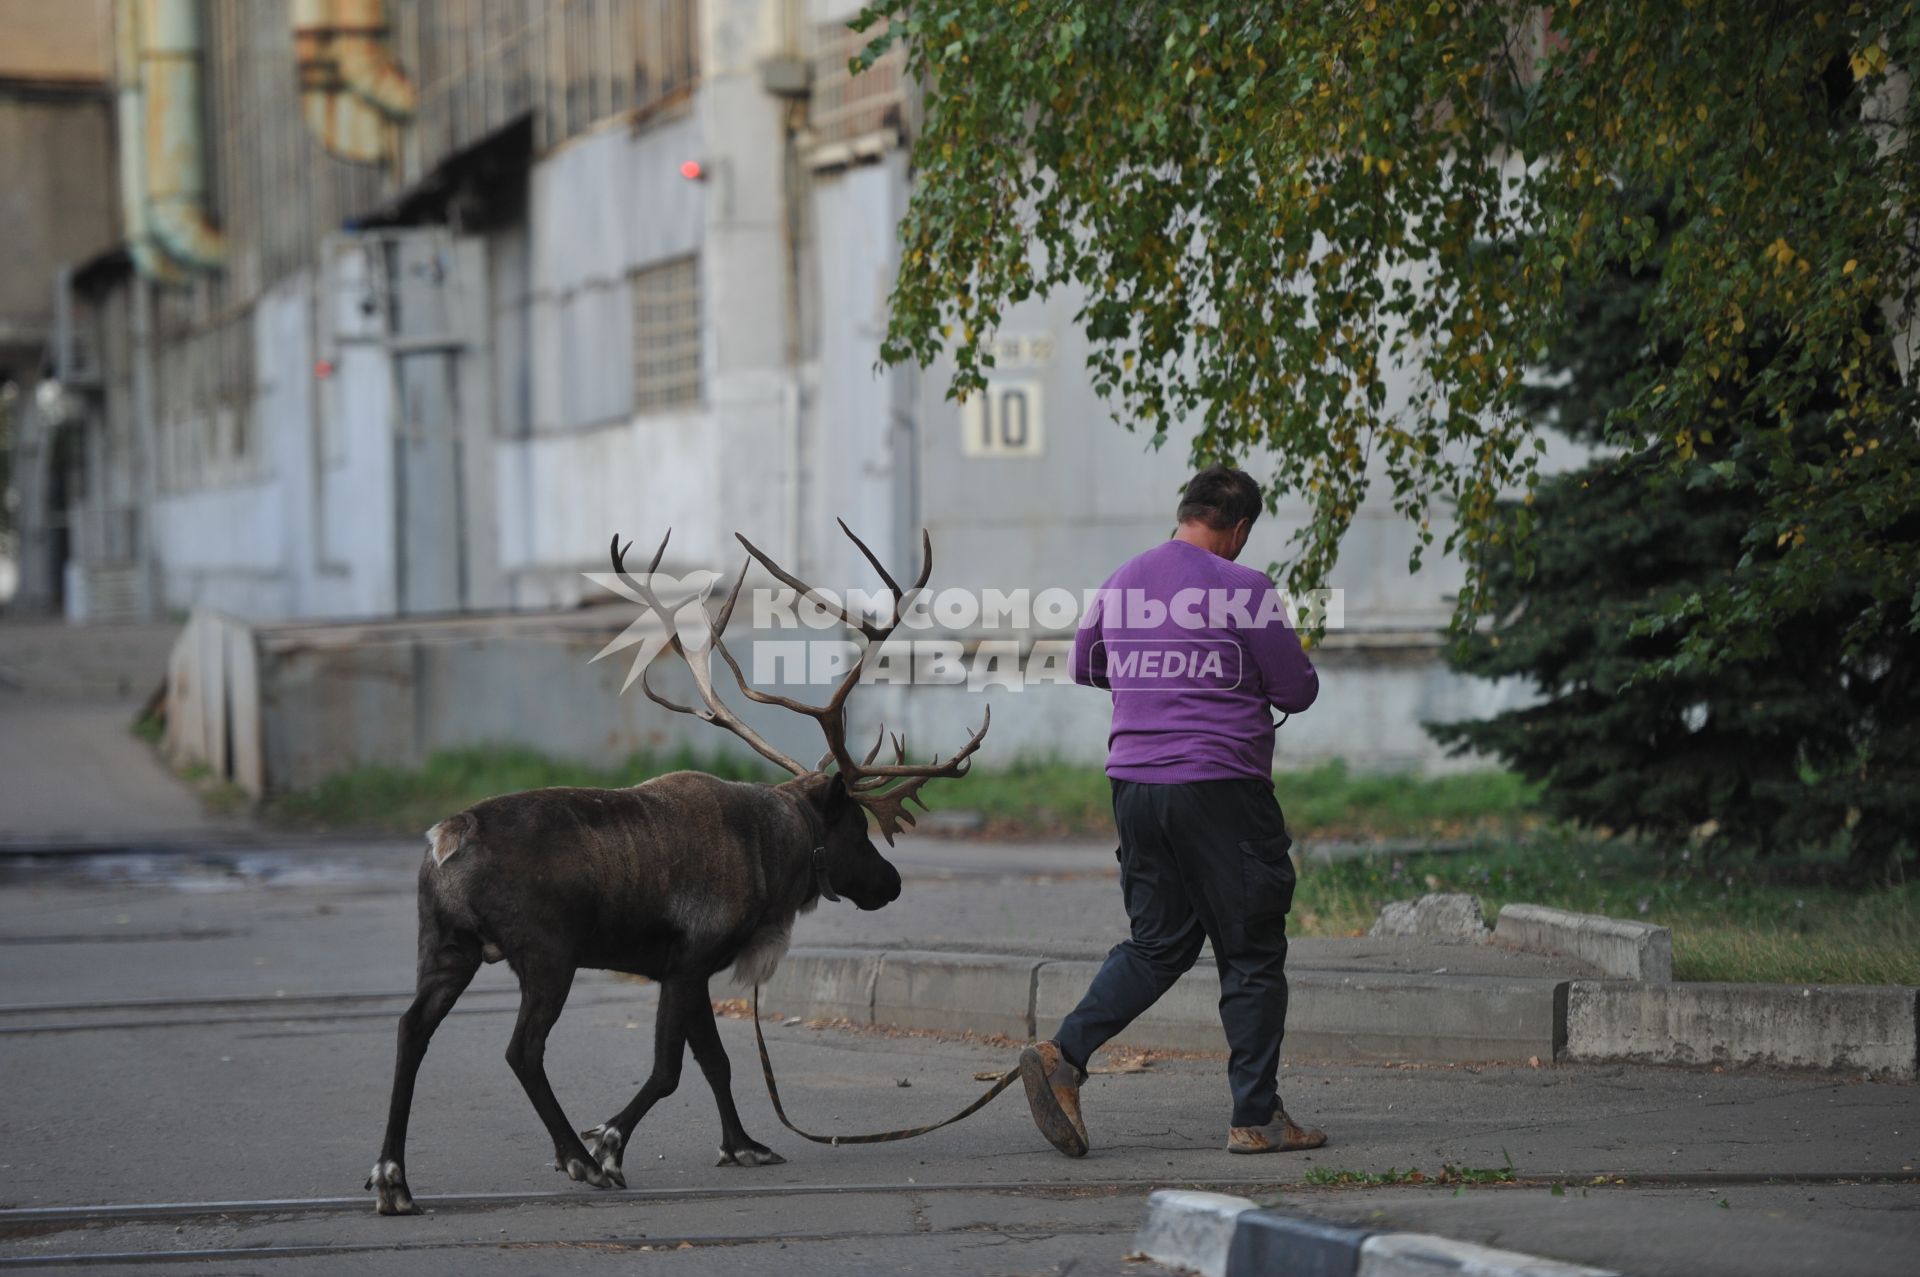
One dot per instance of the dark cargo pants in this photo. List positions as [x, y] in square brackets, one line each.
[1205, 860]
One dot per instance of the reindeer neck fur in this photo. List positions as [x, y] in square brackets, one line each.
[793, 884]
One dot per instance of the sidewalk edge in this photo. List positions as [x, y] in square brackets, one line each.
[1221, 1236]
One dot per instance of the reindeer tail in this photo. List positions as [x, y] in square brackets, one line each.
[450, 836]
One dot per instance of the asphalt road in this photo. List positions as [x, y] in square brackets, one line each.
[175, 1036]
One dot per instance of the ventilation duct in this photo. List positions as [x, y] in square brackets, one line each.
[360, 47]
[351, 90]
[147, 256]
[176, 185]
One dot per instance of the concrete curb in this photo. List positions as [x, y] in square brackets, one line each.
[987, 993]
[1424, 1255]
[1275, 1242]
[1451, 915]
[1220, 1236]
[1872, 1028]
[1384, 1016]
[824, 984]
[1190, 1230]
[1331, 1014]
[1622, 949]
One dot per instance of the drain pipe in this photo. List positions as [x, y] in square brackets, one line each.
[176, 184]
[130, 117]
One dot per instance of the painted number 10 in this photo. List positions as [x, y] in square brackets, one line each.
[1004, 420]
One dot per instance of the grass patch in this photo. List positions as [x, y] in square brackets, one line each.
[1327, 802]
[1328, 1177]
[1451, 1174]
[219, 797]
[1042, 798]
[1732, 918]
[1037, 799]
[1460, 1176]
[397, 800]
[151, 728]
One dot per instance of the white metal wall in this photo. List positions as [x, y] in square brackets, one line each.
[795, 427]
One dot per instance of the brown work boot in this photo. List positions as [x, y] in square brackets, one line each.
[1281, 1135]
[1053, 1093]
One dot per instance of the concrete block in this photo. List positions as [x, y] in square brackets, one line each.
[977, 992]
[1190, 1230]
[1268, 1242]
[1435, 916]
[1345, 1016]
[1434, 1018]
[824, 984]
[1220, 1236]
[1186, 1018]
[1622, 949]
[1854, 1027]
[1424, 1255]
[1057, 989]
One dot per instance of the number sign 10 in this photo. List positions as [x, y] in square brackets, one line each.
[1004, 420]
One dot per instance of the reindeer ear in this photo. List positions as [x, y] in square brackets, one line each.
[838, 798]
[827, 792]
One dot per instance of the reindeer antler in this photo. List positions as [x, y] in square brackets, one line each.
[886, 789]
[889, 805]
[883, 789]
[715, 711]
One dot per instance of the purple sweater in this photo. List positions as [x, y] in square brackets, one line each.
[1197, 651]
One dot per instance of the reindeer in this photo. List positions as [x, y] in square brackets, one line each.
[675, 879]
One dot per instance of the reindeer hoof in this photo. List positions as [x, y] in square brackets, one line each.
[605, 1146]
[752, 1155]
[587, 1173]
[391, 1181]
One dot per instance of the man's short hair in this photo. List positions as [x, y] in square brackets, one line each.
[1220, 497]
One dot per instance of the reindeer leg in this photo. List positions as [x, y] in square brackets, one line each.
[608, 1141]
[447, 964]
[737, 1148]
[543, 992]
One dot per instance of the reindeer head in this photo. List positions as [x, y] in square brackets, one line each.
[847, 863]
[853, 866]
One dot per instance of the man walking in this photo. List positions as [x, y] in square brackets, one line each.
[1197, 652]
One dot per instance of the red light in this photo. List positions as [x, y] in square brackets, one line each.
[323, 369]
[693, 171]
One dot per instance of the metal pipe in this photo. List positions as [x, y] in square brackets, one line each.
[145, 411]
[349, 127]
[176, 187]
[366, 63]
[63, 359]
[130, 108]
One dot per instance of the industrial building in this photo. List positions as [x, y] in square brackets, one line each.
[409, 306]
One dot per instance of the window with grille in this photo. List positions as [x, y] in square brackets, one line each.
[855, 116]
[666, 336]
